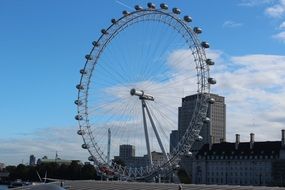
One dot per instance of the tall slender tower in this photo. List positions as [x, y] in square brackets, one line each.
[109, 145]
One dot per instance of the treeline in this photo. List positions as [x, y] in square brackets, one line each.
[74, 171]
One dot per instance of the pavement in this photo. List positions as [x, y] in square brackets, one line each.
[121, 185]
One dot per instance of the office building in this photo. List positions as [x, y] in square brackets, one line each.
[216, 129]
[173, 140]
[32, 160]
[127, 151]
[157, 158]
[2, 166]
[241, 163]
[57, 160]
[128, 158]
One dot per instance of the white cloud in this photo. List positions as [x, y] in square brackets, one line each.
[280, 36]
[167, 88]
[253, 86]
[42, 142]
[232, 24]
[122, 114]
[282, 26]
[276, 10]
[252, 3]
[123, 4]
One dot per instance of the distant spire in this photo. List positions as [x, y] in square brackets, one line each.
[56, 156]
[109, 145]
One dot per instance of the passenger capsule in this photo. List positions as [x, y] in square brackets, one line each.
[196, 131]
[95, 44]
[85, 146]
[151, 5]
[212, 81]
[164, 6]
[187, 18]
[138, 8]
[103, 31]
[79, 87]
[81, 132]
[181, 153]
[88, 57]
[176, 11]
[78, 102]
[177, 166]
[207, 120]
[205, 44]
[78, 117]
[197, 30]
[113, 21]
[210, 62]
[189, 153]
[199, 138]
[211, 100]
[83, 72]
[125, 13]
[200, 123]
[91, 159]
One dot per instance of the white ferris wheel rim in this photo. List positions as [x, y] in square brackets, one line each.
[203, 84]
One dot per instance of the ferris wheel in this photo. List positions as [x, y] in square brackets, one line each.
[131, 87]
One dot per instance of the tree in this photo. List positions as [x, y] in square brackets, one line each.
[88, 172]
[74, 171]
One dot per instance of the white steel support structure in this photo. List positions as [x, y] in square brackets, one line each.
[142, 96]
[156, 133]
[146, 133]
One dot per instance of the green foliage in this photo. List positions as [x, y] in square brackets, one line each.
[74, 171]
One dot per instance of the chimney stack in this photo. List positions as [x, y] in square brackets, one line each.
[283, 137]
[237, 141]
[251, 140]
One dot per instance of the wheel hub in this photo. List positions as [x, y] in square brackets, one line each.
[141, 94]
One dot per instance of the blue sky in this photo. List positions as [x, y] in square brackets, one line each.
[42, 48]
